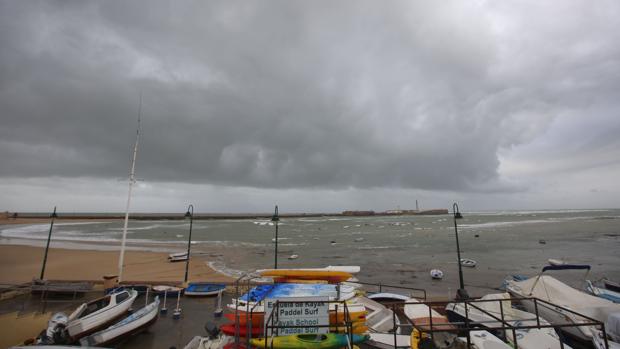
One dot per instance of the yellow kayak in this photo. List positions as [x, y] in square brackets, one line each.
[332, 276]
[309, 341]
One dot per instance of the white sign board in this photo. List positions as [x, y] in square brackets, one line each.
[303, 311]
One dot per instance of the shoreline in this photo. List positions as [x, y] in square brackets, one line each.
[32, 217]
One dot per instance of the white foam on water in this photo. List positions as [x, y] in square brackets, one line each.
[376, 247]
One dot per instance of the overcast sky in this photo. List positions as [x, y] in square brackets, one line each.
[317, 106]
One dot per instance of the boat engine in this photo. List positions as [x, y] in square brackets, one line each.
[55, 333]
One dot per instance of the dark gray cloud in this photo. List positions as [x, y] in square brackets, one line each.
[283, 94]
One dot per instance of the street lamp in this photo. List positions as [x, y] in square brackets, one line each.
[275, 218]
[49, 237]
[189, 214]
[461, 293]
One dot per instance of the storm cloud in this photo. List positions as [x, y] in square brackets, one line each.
[467, 97]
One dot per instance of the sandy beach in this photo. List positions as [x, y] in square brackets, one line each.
[19, 264]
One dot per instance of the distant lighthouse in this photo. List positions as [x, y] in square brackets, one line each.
[417, 208]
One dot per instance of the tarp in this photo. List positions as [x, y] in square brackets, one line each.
[554, 291]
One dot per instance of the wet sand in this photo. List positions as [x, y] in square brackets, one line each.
[19, 264]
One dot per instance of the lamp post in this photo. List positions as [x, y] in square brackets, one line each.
[49, 237]
[189, 214]
[275, 218]
[461, 293]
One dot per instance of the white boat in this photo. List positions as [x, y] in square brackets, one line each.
[554, 291]
[388, 297]
[170, 291]
[436, 274]
[470, 263]
[293, 256]
[602, 292]
[553, 261]
[177, 257]
[498, 305]
[379, 318]
[421, 315]
[484, 340]
[132, 324]
[386, 341]
[99, 313]
[87, 318]
[208, 343]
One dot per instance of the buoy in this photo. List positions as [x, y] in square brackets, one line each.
[468, 262]
[437, 274]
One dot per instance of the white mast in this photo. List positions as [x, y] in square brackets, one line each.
[132, 180]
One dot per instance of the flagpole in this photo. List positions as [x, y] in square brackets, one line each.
[132, 180]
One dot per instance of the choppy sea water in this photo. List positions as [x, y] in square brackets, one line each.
[398, 250]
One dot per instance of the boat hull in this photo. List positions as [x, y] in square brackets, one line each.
[91, 323]
[203, 289]
[120, 331]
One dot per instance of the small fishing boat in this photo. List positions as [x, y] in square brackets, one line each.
[602, 292]
[98, 313]
[470, 263]
[177, 257]
[171, 291]
[87, 318]
[387, 297]
[203, 289]
[309, 341]
[553, 261]
[436, 274]
[134, 323]
[293, 256]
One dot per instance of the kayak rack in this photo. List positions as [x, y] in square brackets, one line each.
[246, 281]
[498, 324]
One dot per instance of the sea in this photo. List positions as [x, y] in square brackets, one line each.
[393, 251]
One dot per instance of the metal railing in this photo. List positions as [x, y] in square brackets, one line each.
[500, 322]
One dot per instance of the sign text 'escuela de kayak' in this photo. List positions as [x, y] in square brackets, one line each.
[298, 311]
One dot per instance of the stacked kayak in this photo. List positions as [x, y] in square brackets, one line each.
[337, 307]
[309, 341]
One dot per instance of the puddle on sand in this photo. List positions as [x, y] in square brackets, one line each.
[16, 327]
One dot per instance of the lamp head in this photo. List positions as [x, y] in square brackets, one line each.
[457, 213]
[188, 214]
[275, 216]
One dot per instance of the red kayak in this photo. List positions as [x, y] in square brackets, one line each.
[229, 329]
